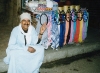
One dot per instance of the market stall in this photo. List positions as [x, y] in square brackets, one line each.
[65, 25]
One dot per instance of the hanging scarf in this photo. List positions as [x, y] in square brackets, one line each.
[68, 36]
[74, 19]
[76, 36]
[73, 26]
[66, 39]
[84, 31]
[55, 31]
[62, 29]
[85, 24]
[28, 34]
[66, 31]
[80, 33]
[49, 26]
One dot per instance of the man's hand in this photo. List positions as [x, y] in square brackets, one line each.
[43, 28]
[31, 50]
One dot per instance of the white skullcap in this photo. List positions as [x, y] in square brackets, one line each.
[25, 15]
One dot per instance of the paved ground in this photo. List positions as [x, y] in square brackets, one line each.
[89, 63]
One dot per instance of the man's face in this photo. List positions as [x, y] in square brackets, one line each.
[25, 24]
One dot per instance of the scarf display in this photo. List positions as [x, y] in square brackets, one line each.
[66, 25]
[65, 29]
[73, 26]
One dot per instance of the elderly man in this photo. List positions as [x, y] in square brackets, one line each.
[24, 55]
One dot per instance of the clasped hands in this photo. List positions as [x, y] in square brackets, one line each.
[31, 49]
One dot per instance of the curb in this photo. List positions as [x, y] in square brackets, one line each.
[66, 51]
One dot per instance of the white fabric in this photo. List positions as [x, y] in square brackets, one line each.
[33, 4]
[18, 58]
[55, 5]
[49, 3]
[28, 34]
[25, 15]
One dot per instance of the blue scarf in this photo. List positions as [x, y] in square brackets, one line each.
[62, 29]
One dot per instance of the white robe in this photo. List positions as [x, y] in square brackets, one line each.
[18, 58]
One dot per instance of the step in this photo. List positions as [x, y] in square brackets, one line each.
[66, 51]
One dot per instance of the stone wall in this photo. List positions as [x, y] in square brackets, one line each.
[9, 12]
[15, 12]
[2, 6]
[3, 14]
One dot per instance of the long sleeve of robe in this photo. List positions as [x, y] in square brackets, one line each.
[18, 58]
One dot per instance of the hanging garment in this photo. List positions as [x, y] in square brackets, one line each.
[73, 26]
[49, 27]
[71, 33]
[68, 36]
[80, 32]
[18, 58]
[74, 19]
[66, 32]
[85, 24]
[84, 30]
[76, 36]
[62, 29]
[55, 30]
[66, 39]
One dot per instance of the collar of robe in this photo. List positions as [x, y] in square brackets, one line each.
[27, 36]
